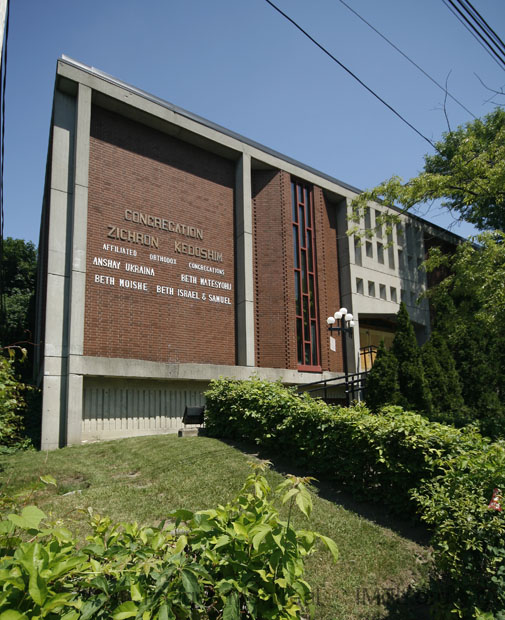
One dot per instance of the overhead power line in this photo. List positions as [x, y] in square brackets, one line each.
[353, 75]
[484, 25]
[478, 31]
[395, 47]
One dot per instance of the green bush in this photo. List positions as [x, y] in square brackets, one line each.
[12, 405]
[443, 474]
[468, 536]
[239, 561]
[382, 387]
[382, 456]
[414, 391]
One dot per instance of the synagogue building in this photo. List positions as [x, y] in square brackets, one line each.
[174, 251]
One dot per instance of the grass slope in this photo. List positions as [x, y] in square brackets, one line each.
[141, 479]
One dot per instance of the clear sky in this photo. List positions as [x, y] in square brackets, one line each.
[240, 64]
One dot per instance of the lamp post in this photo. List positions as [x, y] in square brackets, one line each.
[342, 322]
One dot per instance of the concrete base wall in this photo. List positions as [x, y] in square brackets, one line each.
[114, 408]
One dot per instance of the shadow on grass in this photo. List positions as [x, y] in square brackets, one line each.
[327, 489]
[415, 604]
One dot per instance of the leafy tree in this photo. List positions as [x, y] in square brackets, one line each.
[469, 307]
[414, 391]
[382, 386]
[467, 172]
[19, 269]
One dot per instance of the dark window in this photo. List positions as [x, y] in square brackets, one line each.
[306, 306]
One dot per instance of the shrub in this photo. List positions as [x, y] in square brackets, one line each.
[239, 561]
[443, 380]
[382, 387]
[12, 405]
[443, 474]
[414, 390]
[384, 456]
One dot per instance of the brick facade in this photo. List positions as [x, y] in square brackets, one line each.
[325, 214]
[136, 169]
[274, 272]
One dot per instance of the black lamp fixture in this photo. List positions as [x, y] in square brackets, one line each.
[343, 323]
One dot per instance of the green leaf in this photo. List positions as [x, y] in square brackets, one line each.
[135, 592]
[29, 519]
[181, 544]
[12, 614]
[181, 515]
[231, 609]
[48, 480]
[290, 493]
[37, 588]
[261, 532]
[92, 605]
[190, 584]
[222, 541]
[331, 546]
[125, 610]
[165, 613]
[304, 502]
[240, 529]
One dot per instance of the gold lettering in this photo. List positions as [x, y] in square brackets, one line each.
[128, 215]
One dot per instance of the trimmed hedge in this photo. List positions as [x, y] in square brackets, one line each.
[444, 475]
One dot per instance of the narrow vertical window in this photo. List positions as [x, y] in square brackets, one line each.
[306, 306]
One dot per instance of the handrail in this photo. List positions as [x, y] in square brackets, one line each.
[354, 382]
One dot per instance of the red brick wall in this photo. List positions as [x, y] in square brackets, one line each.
[275, 336]
[137, 168]
[325, 216]
[274, 272]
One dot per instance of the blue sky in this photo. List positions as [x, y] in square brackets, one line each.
[240, 64]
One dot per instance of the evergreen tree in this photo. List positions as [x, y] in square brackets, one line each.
[443, 381]
[414, 391]
[382, 387]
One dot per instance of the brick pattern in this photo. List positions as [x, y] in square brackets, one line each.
[325, 215]
[274, 272]
[138, 168]
[274, 324]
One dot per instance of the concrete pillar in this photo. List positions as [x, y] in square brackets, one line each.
[346, 297]
[67, 225]
[244, 263]
[78, 261]
[58, 251]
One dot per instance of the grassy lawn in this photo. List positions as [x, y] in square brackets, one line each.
[141, 479]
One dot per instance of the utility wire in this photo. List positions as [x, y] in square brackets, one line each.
[498, 42]
[323, 49]
[395, 47]
[484, 37]
[474, 32]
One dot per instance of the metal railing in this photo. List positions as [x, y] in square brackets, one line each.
[354, 386]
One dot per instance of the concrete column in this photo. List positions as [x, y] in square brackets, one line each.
[78, 264]
[58, 250]
[346, 297]
[244, 281]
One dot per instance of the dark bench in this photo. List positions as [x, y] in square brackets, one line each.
[193, 415]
